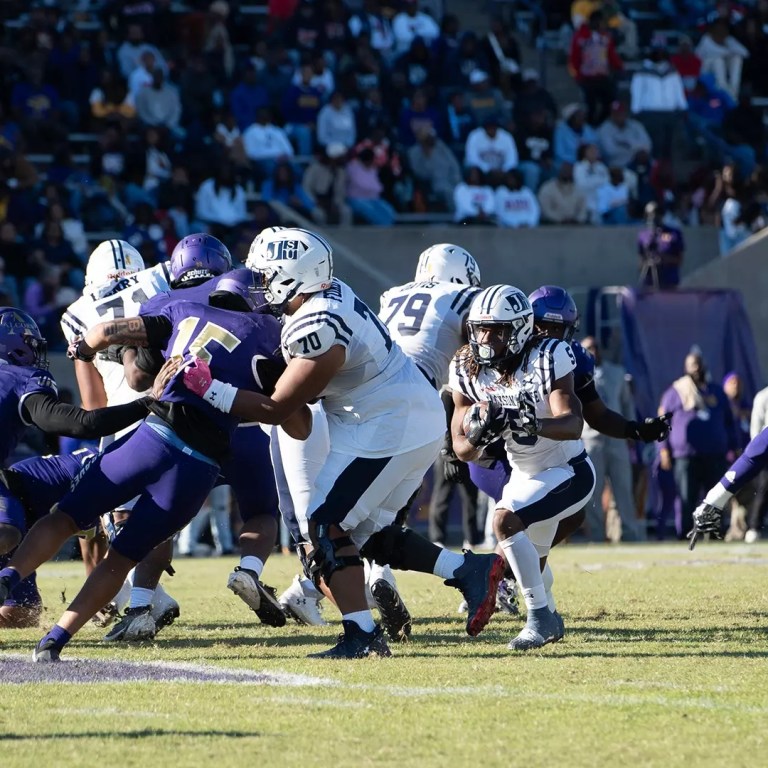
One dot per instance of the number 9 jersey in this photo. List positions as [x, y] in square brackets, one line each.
[427, 320]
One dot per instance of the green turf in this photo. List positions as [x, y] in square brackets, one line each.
[664, 664]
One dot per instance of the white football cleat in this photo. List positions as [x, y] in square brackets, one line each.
[304, 608]
[137, 624]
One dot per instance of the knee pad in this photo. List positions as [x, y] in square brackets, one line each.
[322, 562]
[388, 546]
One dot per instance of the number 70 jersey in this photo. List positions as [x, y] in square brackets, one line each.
[427, 320]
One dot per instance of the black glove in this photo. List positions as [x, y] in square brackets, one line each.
[75, 351]
[483, 427]
[526, 421]
[454, 469]
[706, 519]
[649, 430]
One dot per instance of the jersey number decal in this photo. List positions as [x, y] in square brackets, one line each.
[364, 311]
[414, 309]
[117, 305]
[198, 345]
[309, 342]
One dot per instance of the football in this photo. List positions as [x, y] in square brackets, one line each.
[474, 414]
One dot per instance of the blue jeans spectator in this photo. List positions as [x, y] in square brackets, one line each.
[377, 212]
[303, 137]
[619, 215]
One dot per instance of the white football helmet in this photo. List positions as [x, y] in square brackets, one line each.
[448, 263]
[507, 309]
[289, 261]
[108, 263]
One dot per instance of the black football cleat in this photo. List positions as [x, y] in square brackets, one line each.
[394, 615]
[353, 643]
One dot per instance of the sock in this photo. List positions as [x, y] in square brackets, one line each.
[548, 578]
[309, 589]
[524, 559]
[59, 636]
[251, 563]
[141, 597]
[12, 576]
[447, 564]
[363, 619]
[161, 597]
[378, 572]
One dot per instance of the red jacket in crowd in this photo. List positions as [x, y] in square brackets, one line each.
[593, 54]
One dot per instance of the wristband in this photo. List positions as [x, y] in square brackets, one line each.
[718, 496]
[220, 395]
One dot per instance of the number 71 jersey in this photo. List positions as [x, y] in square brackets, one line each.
[427, 320]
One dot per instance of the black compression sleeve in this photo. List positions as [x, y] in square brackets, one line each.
[587, 393]
[50, 415]
[159, 330]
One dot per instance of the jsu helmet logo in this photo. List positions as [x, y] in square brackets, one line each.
[285, 250]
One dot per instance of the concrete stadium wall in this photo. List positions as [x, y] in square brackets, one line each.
[372, 259]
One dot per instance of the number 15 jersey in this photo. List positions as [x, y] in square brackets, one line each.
[427, 320]
[378, 404]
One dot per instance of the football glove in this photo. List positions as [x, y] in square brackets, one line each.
[526, 422]
[74, 350]
[454, 469]
[706, 519]
[649, 430]
[197, 377]
[483, 427]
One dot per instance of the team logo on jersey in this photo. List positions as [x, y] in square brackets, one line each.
[285, 250]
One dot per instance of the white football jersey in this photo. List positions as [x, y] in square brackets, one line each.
[427, 320]
[547, 361]
[89, 310]
[378, 404]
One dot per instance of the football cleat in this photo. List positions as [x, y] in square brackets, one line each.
[353, 643]
[478, 579]
[260, 598]
[165, 613]
[105, 616]
[137, 624]
[305, 609]
[394, 615]
[5, 589]
[506, 597]
[543, 626]
[46, 651]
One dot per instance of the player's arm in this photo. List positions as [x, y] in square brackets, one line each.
[91, 386]
[567, 421]
[612, 424]
[147, 331]
[462, 447]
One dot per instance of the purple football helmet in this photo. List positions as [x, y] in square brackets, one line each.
[234, 291]
[21, 342]
[199, 257]
[552, 304]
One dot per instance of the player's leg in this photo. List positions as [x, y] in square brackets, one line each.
[92, 550]
[23, 607]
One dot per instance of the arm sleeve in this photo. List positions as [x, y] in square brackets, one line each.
[50, 415]
[159, 330]
[748, 465]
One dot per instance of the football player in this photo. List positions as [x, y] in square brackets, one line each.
[172, 459]
[385, 423]
[525, 385]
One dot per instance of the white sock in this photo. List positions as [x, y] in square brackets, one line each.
[141, 597]
[524, 561]
[123, 595]
[549, 579]
[251, 563]
[161, 597]
[447, 563]
[363, 619]
[309, 589]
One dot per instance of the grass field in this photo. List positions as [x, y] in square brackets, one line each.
[663, 663]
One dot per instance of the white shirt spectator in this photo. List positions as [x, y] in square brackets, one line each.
[129, 57]
[517, 208]
[324, 81]
[266, 142]
[228, 136]
[223, 206]
[724, 59]
[140, 78]
[589, 177]
[497, 153]
[657, 88]
[469, 201]
[610, 196]
[406, 27]
[379, 29]
[336, 126]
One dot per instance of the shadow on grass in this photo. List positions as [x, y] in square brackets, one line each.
[145, 733]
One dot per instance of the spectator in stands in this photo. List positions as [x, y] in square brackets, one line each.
[229, 139]
[620, 137]
[503, 54]
[387, 161]
[155, 160]
[702, 439]
[35, 108]
[561, 201]
[146, 235]
[15, 253]
[371, 113]
[336, 122]
[415, 116]
[9, 288]
[534, 144]
[589, 174]
[265, 143]
[484, 100]
[52, 248]
[490, 148]
[247, 98]
[300, 107]
[159, 105]
[110, 100]
[722, 55]
[516, 205]
[435, 169]
[571, 132]
[177, 198]
[740, 216]
[304, 30]
[687, 63]
[218, 46]
[276, 76]
[459, 122]
[413, 70]
[47, 298]
[283, 187]
[473, 200]
[10, 135]
[658, 99]
[733, 386]
[364, 66]
[364, 191]
[325, 183]
[661, 249]
[198, 91]
[71, 228]
[369, 21]
[109, 157]
[142, 76]
[753, 36]
[129, 54]
[593, 62]
[457, 66]
[220, 201]
[613, 198]
[532, 99]
[411, 23]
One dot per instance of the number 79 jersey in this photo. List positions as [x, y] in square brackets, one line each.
[89, 310]
[378, 404]
[427, 320]
[546, 362]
